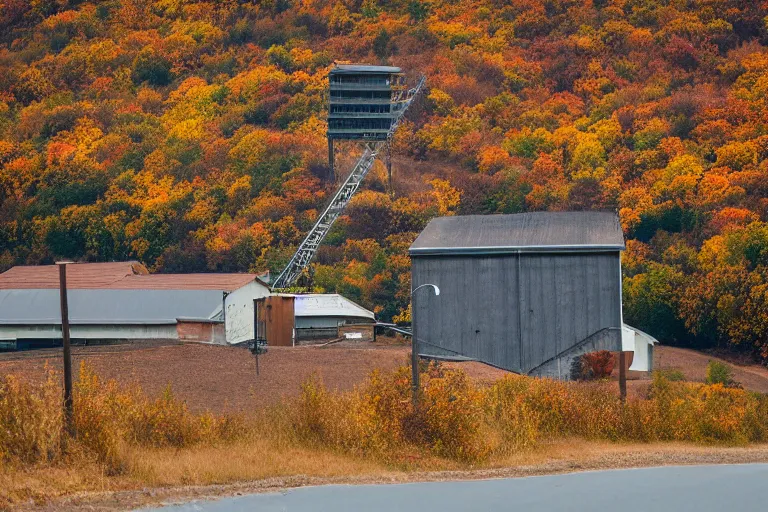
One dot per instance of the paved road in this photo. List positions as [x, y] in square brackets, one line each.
[730, 488]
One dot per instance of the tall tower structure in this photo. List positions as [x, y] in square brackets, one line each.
[364, 102]
[367, 104]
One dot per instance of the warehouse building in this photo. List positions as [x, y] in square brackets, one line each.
[122, 301]
[526, 292]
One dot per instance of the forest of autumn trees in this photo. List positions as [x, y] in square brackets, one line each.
[190, 135]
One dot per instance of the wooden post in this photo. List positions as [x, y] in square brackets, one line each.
[414, 356]
[256, 333]
[68, 402]
[623, 375]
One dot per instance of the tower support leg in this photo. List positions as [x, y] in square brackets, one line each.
[388, 158]
[331, 158]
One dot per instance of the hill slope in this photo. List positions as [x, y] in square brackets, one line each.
[190, 135]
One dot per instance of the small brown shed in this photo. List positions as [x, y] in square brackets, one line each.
[286, 320]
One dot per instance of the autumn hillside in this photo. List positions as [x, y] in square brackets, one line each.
[190, 135]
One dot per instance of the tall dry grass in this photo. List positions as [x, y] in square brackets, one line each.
[158, 441]
[109, 420]
[461, 421]
[30, 421]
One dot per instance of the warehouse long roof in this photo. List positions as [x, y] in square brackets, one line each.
[128, 275]
[108, 307]
[524, 232]
[81, 275]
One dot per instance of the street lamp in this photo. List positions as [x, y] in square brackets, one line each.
[414, 345]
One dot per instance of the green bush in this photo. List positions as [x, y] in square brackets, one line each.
[672, 375]
[719, 373]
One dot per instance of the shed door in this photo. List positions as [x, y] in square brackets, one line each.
[279, 321]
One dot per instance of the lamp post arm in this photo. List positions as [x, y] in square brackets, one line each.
[437, 290]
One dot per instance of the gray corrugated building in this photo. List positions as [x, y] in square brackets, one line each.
[122, 301]
[525, 292]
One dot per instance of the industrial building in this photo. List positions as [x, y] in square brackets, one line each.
[290, 319]
[526, 292]
[112, 302]
[122, 301]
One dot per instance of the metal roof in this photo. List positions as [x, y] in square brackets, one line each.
[107, 307]
[524, 232]
[364, 68]
[328, 304]
[221, 282]
[79, 275]
[129, 275]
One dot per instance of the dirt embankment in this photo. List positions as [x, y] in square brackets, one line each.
[693, 364]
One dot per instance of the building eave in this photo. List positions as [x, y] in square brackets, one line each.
[448, 251]
[110, 323]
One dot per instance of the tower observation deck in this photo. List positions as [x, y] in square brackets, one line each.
[364, 102]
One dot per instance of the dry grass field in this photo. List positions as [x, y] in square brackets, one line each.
[223, 379]
[153, 451]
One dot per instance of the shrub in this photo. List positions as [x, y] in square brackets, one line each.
[100, 412]
[463, 422]
[509, 414]
[597, 365]
[719, 373]
[706, 413]
[453, 416]
[672, 374]
[378, 418]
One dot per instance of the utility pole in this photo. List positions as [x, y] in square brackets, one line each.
[69, 416]
[623, 376]
[256, 332]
